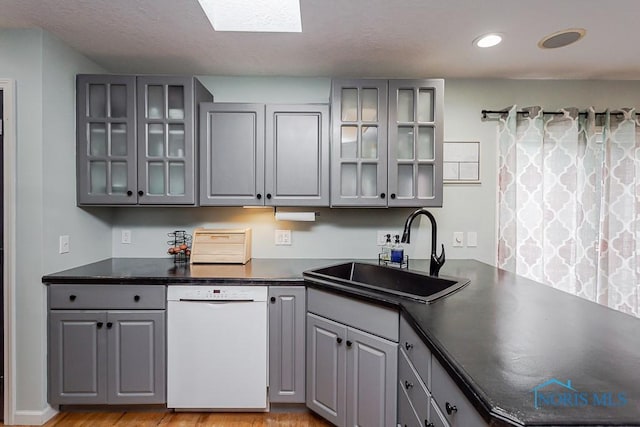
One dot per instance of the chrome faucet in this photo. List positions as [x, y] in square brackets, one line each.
[436, 262]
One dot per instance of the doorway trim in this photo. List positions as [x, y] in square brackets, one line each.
[9, 161]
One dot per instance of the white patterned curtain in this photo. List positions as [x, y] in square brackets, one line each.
[569, 202]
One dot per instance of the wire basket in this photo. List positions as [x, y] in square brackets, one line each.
[179, 245]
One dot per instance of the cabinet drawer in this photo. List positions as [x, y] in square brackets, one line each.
[417, 351]
[447, 394]
[437, 419]
[143, 297]
[365, 316]
[409, 382]
[406, 416]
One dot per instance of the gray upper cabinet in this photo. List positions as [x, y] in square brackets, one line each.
[136, 139]
[287, 311]
[415, 142]
[106, 139]
[297, 155]
[249, 159]
[387, 142]
[231, 154]
[359, 143]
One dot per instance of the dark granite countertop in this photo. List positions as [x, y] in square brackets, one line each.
[499, 338]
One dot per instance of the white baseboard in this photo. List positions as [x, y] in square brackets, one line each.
[34, 418]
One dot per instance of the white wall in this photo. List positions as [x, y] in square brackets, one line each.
[351, 233]
[44, 70]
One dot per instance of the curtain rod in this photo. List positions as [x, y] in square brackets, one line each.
[526, 113]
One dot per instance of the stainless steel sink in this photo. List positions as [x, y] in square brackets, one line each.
[404, 283]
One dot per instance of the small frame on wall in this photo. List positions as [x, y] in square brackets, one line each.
[461, 162]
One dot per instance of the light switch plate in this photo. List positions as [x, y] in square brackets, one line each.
[472, 239]
[458, 239]
[64, 244]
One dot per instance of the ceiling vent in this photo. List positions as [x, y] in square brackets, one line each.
[562, 38]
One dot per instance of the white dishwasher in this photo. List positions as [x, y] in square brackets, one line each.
[217, 347]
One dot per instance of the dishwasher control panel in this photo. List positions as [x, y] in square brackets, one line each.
[216, 293]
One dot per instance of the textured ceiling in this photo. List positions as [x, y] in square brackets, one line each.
[349, 38]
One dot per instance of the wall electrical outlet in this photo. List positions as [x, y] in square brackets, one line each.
[126, 237]
[64, 244]
[283, 237]
[382, 236]
[472, 239]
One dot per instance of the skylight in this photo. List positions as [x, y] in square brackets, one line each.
[271, 16]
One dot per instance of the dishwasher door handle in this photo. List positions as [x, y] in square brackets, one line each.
[216, 301]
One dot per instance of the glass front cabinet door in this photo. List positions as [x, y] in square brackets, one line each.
[415, 142]
[106, 139]
[165, 140]
[359, 143]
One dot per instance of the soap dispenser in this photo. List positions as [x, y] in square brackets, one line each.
[386, 249]
[397, 252]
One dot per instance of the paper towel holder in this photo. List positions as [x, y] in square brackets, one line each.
[307, 216]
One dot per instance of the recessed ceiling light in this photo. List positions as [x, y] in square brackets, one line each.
[562, 38]
[277, 16]
[488, 40]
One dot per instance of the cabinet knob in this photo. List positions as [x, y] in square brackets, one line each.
[349, 343]
[269, 196]
[382, 195]
[129, 193]
[99, 325]
[272, 299]
[136, 298]
[428, 424]
[109, 325]
[339, 340]
[393, 195]
[408, 385]
[450, 408]
[140, 193]
[72, 297]
[408, 346]
[258, 196]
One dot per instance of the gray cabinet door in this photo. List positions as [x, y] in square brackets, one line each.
[136, 362]
[297, 155]
[231, 154]
[359, 143]
[106, 140]
[77, 357]
[326, 369]
[166, 144]
[372, 366]
[415, 142]
[287, 311]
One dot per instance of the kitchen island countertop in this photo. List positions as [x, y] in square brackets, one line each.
[500, 337]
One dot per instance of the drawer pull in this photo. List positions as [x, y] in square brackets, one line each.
[450, 408]
[408, 385]
[109, 325]
[72, 297]
[408, 346]
[349, 343]
[339, 340]
[136, 298]
[99, 325]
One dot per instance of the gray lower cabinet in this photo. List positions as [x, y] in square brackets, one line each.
[257, 154]
[114, 355]
[351, 373]
[287, 312]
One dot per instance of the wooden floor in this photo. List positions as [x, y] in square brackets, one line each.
[185, 419]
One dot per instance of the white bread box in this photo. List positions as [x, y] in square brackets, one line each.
[219, 246]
